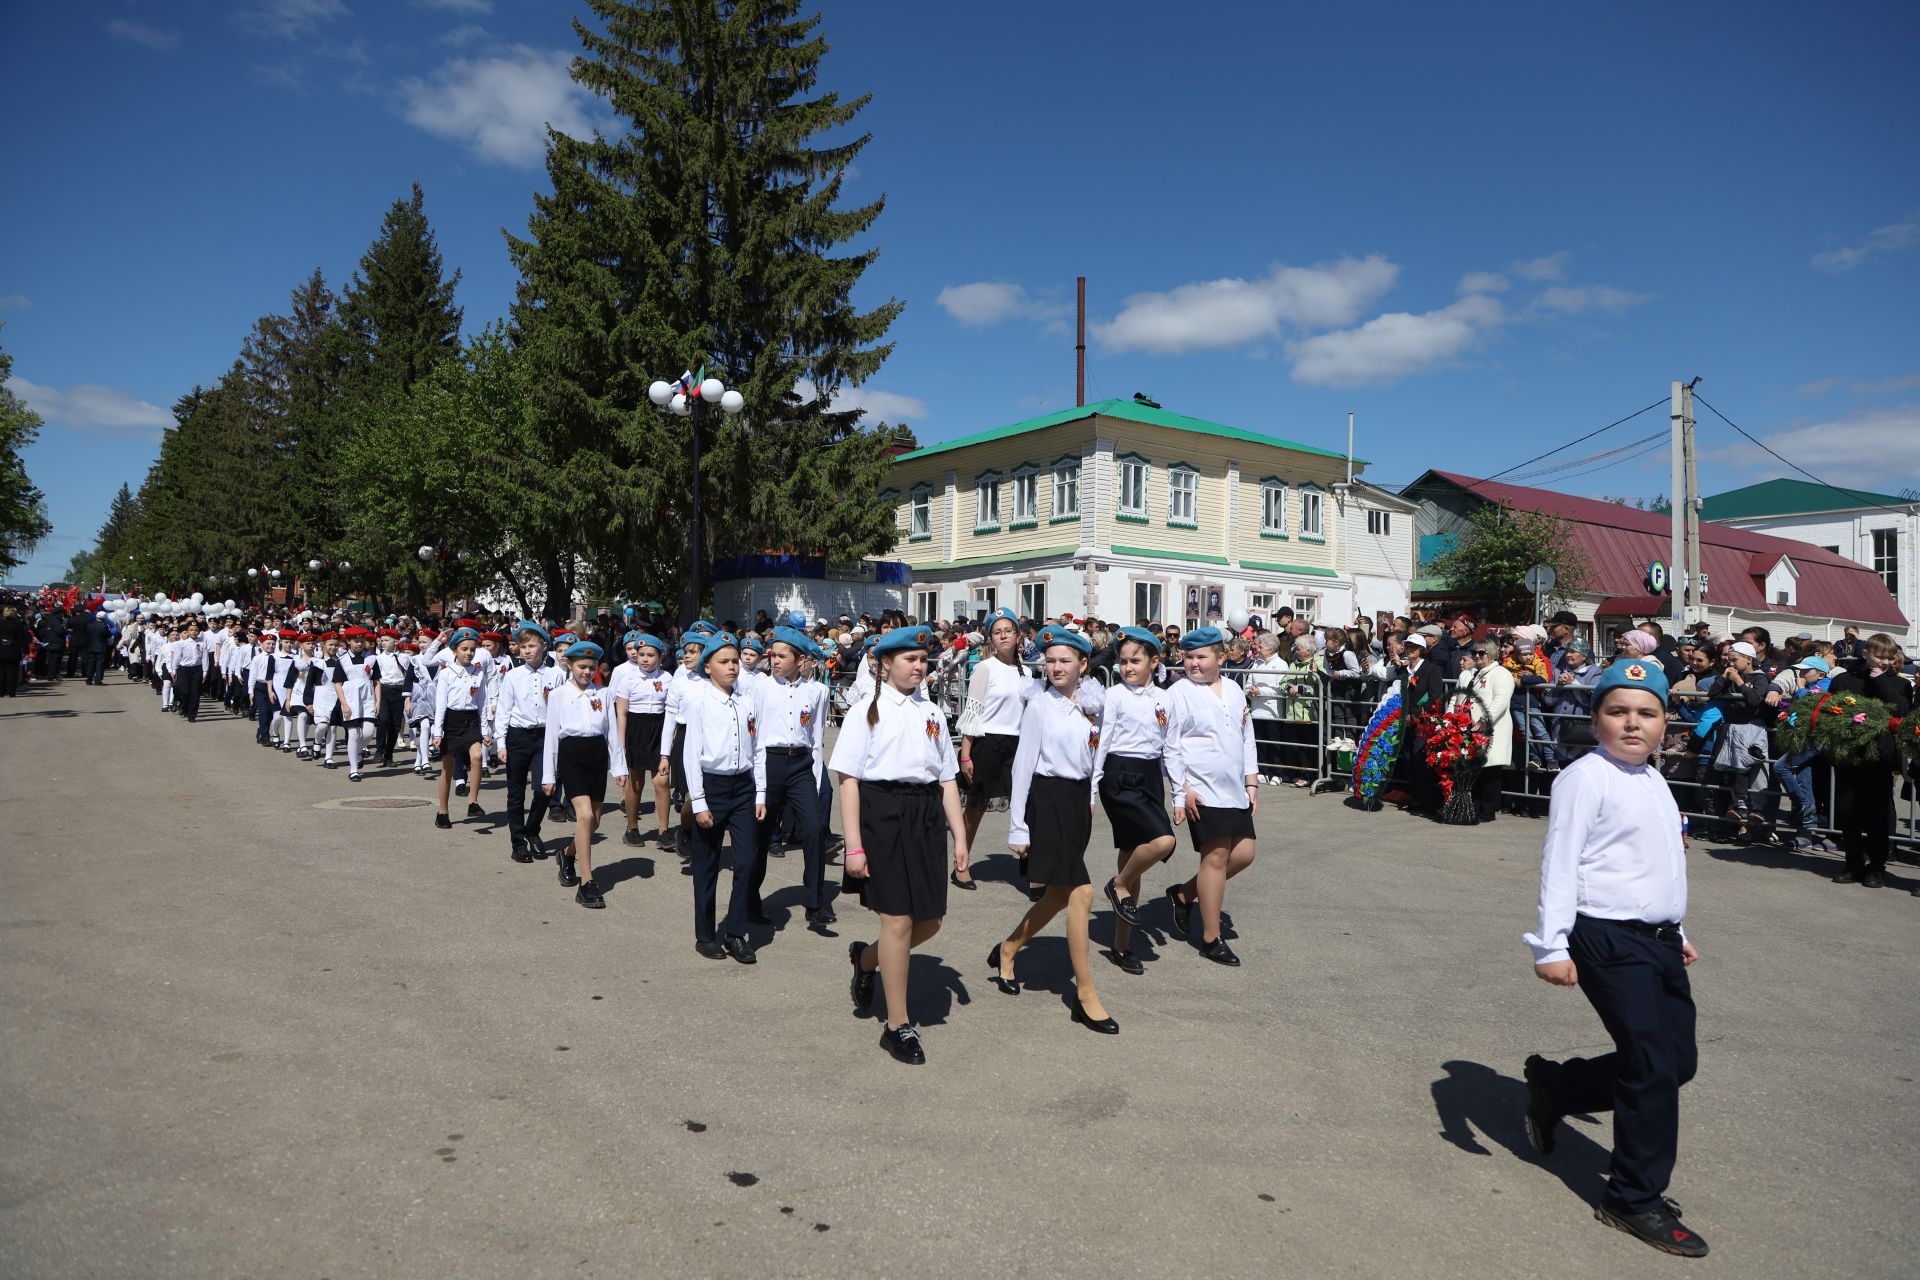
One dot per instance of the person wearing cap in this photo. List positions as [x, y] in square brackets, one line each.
[356, 689]
[726, 765]
[1613, 895]
[580, 747]
[421, 703]
[1863, 790]
[517, 727]
[391, 672]
[638, 688]
[1137, 750]
[673, 729]
[1740, 696]
[460, 696]
[895, 761]
[1051, 816]
[260, 674]
[990, 727]
[793, 732]
[1421, 687]
[1562, 629]
[1217, 789]
[296, 696]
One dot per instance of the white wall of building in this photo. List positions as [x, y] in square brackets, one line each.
[1851, 532]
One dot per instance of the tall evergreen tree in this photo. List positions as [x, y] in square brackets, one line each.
[398, 310]
[705, 231]
[23, 508]
[293, 369]
[108, 555]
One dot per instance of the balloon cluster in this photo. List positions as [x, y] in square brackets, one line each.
[129, 608]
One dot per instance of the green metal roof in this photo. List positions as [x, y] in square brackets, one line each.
[1792, 497]
[1132, 412]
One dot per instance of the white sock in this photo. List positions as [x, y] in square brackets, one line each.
[355, 746]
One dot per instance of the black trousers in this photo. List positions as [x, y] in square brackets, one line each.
[11, 671]
[186, 690]
[793, 796]
[386, 724]
[1638, 985]
[263, 712]
[729, 799]
[1863, 812]
[523, 759]
[96, 667]
[1486, 791]
[1421, 779]
[73, 661]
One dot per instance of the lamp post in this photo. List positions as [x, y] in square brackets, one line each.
[685, 397]
[315, 565]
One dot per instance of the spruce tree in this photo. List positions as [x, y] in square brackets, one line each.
[398, 310]
[293, 369]
[23, 508]
[707, 229]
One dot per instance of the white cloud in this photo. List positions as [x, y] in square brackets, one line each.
[1394, 345]
[987, 302]
[289, 19]
[1885, 386]
[141, 33]
[887, 406]
[284, 75]
[1598, 297]
[1891, 238]
[1233, 312]
[463, 35]
[92, 408]
[14, 302]
[1883, 443]
[1482, 282]
[1551, 267]
[1820, 387]
[456, 6]
[499, 106]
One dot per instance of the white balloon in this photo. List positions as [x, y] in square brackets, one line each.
[660, 393]
[228, 603]
[710, 389]
[253, 573]
[733, 402]
[159, 597]
[197, 598]
[426, 553]
[1238, 619]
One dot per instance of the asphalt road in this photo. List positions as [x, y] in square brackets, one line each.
[246, 1033]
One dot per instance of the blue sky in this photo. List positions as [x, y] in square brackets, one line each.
[1485, 229]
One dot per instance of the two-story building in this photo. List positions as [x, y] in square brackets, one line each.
[1129, 512]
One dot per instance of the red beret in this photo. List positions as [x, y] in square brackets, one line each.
[407, 646]
[428, 633]
[491, 635]
[388, 631]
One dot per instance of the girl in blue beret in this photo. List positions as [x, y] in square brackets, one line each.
[1137, 750]
[1217, 788]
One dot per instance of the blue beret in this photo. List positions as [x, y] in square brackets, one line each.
[798, 641]
[1142, 635]
[1053, 635]
[1633, 672]
[1002, 613]
[584, 649]
[904, 640]
[646, 641]
[534, 627]
[797, 619]
[632, 636]
[705, 625]
[755, 643]
[1200, 637]
[462, 633]
[715, 643]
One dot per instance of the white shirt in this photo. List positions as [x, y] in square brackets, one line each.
[684, 681]
[996, 695]
[1058, 739]
[909, 744]
[1214, 730]
[1135, 721]
[793, 713]
[458, 688]
[1613, 851]
[722, 737]
[520, 699]
[573, 712]
[644, 692]
[391, 669]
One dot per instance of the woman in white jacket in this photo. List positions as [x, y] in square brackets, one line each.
[1484, 676]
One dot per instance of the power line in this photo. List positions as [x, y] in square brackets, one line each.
[1629, 447]
[1868, 499]
[1651, 449]
[1569, 444]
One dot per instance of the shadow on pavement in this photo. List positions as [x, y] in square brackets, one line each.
[1472, 1096]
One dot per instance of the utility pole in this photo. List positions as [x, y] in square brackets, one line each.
[1677, 576]
[1696, 590]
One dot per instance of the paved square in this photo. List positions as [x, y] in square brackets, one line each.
[246, 1031]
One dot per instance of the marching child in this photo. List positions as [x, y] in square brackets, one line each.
[459, 699]
[420, 702]
[1217, 788]
[296, 697]
[639, 690]
[990, 728]
[673, 728]
[793, 727]
[519, 730]
[581, 746]
[1137, 749]
[356, 691]
[726, 767]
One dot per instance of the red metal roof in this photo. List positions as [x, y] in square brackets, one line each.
[1620, 542]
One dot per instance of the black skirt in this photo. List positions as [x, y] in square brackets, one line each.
[677, 762]
[644, 731]
[1059, 824]
[1217, 822]
[580, 769]
[1132, 794]
[903, 830]
[992, 771]
[459, 731]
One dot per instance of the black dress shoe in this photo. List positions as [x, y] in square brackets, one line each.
[1182, 909]
[904, 1044]
[740, 949]
[475, 811]
[633, 838]
[443, 822]
[777, 850]
[953, 878]
[558, 812]
[711, 950]
[1660, 1228]
[1105, 1026]
[1542, 1122]
[1125, 908]
[520, 853]
[588, 895]
[1126, 961]
[1873, 880]
[1845, 877]
[568, 877]
[861, 989]
[822, 916]
[1220, 953]
[1008, 986]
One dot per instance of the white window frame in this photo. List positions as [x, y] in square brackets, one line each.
[1183, 496]
[1305, 608]
[1273, 508]
[985, 600]
[1379, 523]
[1066, 491]
[1313, 502]
[1026, 497]
[1263, 603]
[1156, 596]
[920, 514]
[1886, 562]
[986, 498]
[1033, 600]
[1125, 466]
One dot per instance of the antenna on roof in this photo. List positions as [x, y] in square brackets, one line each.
[1141, 397]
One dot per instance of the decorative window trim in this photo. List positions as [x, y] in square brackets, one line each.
[1055, 515]
[1274, 482]
[1132, 515]
[1310, 487]
[914, 495]
[980, 480]
[1183, 469]
[1026, 470]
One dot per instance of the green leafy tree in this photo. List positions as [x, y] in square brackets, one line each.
[398, 312]
[706, 228]
[1490, 560]
[23, 508]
